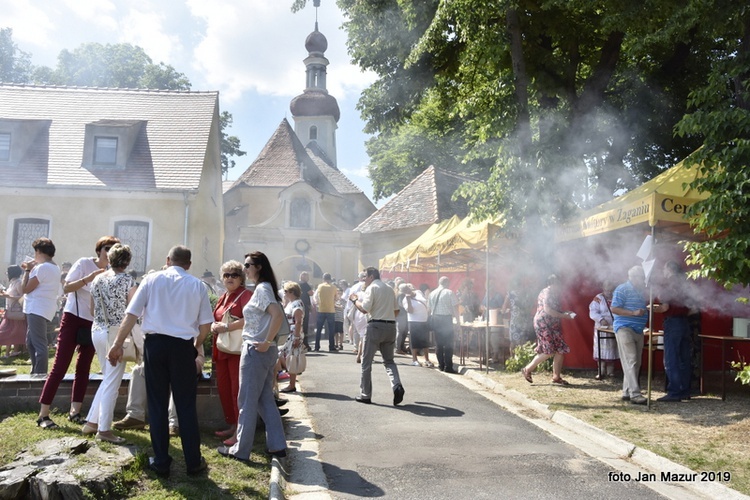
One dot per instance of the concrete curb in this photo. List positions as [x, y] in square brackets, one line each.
[621, 455]
[299, 475]
[278, 480]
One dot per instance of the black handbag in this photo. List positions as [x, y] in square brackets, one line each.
[83, 335]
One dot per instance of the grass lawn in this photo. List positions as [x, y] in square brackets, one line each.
[226, 478]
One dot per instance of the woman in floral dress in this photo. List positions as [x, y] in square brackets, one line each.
[550, 342]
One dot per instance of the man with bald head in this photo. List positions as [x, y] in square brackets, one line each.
[443, 305]
[177, 317]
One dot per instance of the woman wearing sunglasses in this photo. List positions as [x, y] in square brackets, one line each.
[264, 319]
[227, 366]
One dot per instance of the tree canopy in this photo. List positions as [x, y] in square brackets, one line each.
[112, 65]
[560, 104]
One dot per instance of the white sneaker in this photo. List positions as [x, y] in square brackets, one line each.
[415, 363]
[428, 364]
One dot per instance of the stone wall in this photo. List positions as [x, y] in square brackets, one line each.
[21, 393]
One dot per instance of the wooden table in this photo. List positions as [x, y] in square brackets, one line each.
[724, 341]
[478, 330]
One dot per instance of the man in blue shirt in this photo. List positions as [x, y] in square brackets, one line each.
[631, 314]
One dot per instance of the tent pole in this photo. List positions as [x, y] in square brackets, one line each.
[487, 307]
[650, 325]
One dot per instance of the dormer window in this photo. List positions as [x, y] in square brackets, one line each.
[23, 140]
[313, 133]
[108, 143]
[105, 150]
[4, 146]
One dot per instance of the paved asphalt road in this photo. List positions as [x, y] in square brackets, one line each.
[443, 441]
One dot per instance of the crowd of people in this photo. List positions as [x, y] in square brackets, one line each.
[104, 307]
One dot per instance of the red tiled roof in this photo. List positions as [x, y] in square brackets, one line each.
[169, 152]
[424, 201]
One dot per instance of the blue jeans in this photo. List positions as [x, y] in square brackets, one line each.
[329, 319]
[169, 363]
[255, 397]
[677, 356]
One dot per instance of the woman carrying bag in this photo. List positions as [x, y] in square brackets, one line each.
[264, 320]
[227, 365]
[111, 292]
[75, 334]
[295, 313]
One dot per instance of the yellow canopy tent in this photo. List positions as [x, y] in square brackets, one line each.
[661, 202]
[469, 243]
[406, 255]
[456, 248]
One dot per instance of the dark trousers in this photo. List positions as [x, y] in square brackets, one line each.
[443, 326]
[66, 346]
[677, 355]
[402, 330]
[329, 319]
[169, 364]
[305, 325]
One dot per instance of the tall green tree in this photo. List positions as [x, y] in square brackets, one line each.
[720, 117]
[111, 65]
[230, 145]
[558, 103]
[15, 64]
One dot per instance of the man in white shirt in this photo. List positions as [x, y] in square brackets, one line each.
[379, 303]
[177, 318]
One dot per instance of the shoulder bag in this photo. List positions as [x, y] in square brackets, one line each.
[83, 334]
[129, 352]
[230, 342]
[296, 362]
[284, 330]
[15, 312]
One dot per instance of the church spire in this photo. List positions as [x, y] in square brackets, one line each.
[316, 112]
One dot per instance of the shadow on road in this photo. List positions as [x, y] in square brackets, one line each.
[350, 482]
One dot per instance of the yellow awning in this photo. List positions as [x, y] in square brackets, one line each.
[408, 254]
[663, 200]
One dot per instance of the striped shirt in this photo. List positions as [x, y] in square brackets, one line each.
[628, 297]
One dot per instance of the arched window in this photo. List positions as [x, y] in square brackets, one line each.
[299, 213]
[313, 133]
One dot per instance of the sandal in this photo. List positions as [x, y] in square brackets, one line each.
[527, 375]
[560, 381]
[46, 423]
[77, 419]
[288, 389]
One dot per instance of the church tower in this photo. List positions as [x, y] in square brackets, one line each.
[315, 111]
